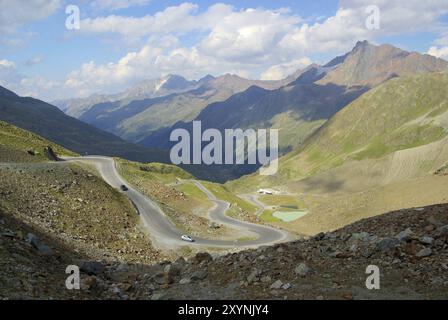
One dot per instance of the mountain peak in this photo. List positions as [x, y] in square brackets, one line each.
[370, 65]
[362, 44]
[206, 78]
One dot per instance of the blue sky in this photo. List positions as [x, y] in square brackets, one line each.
[122, 42]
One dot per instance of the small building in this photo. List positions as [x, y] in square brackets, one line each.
[265, 191]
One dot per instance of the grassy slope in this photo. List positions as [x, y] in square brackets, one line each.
[380, 153]
[181, 199]
[403, 113]
[15, 144]
[185, 205]
[240, 208]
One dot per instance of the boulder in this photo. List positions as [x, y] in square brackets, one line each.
[92, 267]
[173, 270]
[184, 281]
[286, 286]
[426, 240]
[441, 232]
[277, 285]
[426, 252]
[254, 276]
[266, 279]
[387, 244]
[199, 275]
[201, 257]
[404, 235]
[37, 244]
[302, 270]
[162, 278]
[214, 225]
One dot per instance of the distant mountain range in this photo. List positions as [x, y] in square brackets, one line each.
[147, 89]
[51, 123]
[156, 104]
[300, 108]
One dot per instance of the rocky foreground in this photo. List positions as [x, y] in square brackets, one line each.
[410, 247]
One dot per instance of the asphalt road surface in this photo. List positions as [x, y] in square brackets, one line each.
[164, 232]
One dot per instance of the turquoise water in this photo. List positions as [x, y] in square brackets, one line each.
[288, 216]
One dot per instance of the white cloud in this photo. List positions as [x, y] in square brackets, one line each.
[252, 42]
[13, 80]
[281, 71]
[257, 43]
[439, 52]
[248, 35]
[118, 4]
[14, 14]
[176, 19]
[402, 16]
[8, 73]
[7, 64]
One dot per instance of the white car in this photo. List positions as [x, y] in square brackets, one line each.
[187, 238]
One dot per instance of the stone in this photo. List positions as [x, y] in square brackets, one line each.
[181, 262]
[404, 235]
[277, 285]
[158, 296]
[426, 252]
[122, 267]
[286, 286]
[432, 220]
[254, 276]
[8, 234]
[387, 244]
[319, 236]
[199, 275]
[441, 232]
[201, 257]
[89, 283]
[437, 281]
[360, 236]
[367, 252]
[266, 279]
[426, 240]
[302, 270]
[214, 225]
[173, 270]
[37, 244]
[185, 281]
[92, 267]
[162, 278]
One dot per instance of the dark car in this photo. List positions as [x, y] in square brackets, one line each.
[124, 188]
